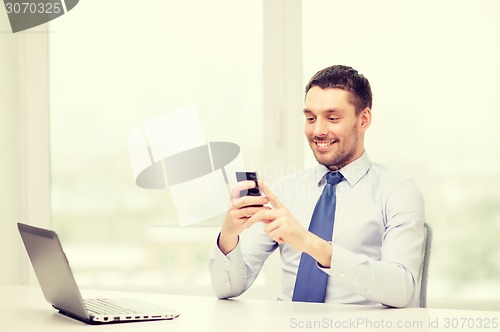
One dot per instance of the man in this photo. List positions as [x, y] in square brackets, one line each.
[374, 252]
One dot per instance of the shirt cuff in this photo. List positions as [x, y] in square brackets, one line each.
[344, 263]
[218, 255]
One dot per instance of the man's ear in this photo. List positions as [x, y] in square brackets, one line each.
[365, 118]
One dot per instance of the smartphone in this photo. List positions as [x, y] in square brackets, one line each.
[250, 176]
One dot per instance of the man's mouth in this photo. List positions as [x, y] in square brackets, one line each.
[323, 145]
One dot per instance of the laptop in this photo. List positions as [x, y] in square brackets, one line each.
[60, 289]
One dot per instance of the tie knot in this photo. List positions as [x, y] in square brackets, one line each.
[334, 178]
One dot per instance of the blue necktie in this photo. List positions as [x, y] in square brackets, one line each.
[310, 285]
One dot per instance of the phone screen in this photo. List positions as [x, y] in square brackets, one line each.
[250, 176]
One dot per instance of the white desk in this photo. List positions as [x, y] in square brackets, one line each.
[25, 309]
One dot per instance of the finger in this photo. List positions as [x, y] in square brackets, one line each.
[237, 216]
[275, 235]
[239, 186]
[272, 226]
[264, 215]
[249, 201]
[273, 199]
[248, 212]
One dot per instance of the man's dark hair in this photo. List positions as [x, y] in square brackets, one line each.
[345, 78]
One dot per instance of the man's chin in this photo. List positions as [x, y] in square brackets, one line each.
[329, 160]
[324, 159]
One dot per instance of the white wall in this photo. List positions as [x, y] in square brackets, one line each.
[24, 163]
[10, 174]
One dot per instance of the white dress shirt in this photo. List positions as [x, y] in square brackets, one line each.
[376, 245]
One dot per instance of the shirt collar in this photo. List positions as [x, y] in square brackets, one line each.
[352, 172]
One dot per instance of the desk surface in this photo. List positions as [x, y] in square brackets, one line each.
[24, 308]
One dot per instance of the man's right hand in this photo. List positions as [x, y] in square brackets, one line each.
[237, 215]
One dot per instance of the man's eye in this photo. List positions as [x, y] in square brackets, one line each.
[333, 119]
[309, 119]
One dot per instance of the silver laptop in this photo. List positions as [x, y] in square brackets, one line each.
[60, 289]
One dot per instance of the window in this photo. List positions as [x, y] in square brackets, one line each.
[113, 66]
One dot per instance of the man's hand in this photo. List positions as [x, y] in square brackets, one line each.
[281, 224]
[282, 227]
[236, 219]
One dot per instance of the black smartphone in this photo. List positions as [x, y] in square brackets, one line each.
[251, 176]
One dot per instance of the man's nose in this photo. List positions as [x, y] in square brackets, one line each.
[320, 128]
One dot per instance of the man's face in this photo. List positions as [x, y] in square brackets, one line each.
[333, 130]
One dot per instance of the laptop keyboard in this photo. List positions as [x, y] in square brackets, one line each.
[106, 307]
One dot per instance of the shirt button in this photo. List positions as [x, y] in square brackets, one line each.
[367, 291]
[342, 275]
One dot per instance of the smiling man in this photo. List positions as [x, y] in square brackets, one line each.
[348, 230]
[334, 126]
